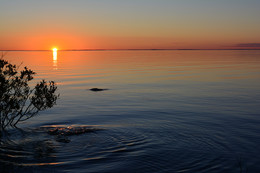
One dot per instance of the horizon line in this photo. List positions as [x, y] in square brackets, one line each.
[116, 49]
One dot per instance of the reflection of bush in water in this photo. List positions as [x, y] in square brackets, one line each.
[24, 149]
[18, 102]
[35, 147]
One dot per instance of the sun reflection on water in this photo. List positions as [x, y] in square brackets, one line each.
[55, 58]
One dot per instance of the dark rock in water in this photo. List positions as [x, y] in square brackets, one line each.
[97, 89]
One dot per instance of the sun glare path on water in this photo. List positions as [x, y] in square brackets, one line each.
[55, 57]
[54, 50]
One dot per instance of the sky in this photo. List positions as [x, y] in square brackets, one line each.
[125, 24]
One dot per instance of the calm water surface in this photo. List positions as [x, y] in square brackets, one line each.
[165, 111]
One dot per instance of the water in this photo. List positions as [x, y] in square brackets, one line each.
[164, 111]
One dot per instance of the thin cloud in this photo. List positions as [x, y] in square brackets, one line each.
[248, 45]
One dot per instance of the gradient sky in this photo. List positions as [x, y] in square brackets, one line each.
[123, 24]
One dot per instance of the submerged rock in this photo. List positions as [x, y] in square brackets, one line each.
[62, 133]
[97, 89]
[63, 130]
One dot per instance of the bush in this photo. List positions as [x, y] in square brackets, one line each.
[17, 101]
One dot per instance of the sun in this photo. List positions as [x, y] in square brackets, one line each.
[54, 49]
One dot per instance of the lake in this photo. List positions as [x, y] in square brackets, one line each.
[164, 111]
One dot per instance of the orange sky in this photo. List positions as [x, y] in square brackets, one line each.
[142, 24]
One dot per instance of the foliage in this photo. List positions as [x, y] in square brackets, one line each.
[18, 102]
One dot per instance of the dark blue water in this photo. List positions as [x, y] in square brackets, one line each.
[164, 111]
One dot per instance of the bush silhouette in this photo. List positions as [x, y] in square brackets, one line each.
[18, 102]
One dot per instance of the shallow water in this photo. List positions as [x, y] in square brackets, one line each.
[164, 111]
